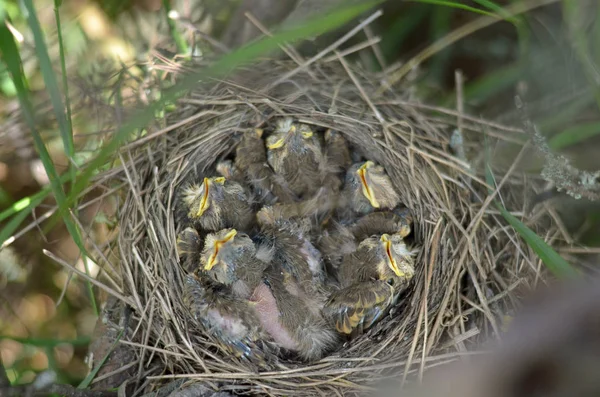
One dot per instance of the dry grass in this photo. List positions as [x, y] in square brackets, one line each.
[469, 262]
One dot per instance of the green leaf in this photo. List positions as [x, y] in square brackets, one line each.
[49, 77]
[553, 261]
[10, 55]
[574, 135]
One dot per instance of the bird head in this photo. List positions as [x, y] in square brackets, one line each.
[223, 252]
[292, 137]
[397, 258]
[200, 198]
[374, 184]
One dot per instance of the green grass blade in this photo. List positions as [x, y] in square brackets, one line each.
[459, 6]
[182, 46]
[490, 5]
[400, 29]
[12, 226]
[50, 78]
[574, 135]
[11, 57]
[65, 85]
[226, 64]
[441, 18]
[41, 342]
[27, 203]
[90, 377]
[553, 261]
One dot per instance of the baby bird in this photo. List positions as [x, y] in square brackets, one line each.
[285, 240]
[218, 203]
[251, 159]
[230, 320]
[292, 320]
[189, 247]
[371, 278]
[229, 258]
[228, 170]
[294, 153]
[337, 155]
[368, 187]
[339, 240]
[398, 221]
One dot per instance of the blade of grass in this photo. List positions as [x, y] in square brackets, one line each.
[226, 64]
[518, 21]
[41, 342]
[49, 77]
[182, 46]
[28, 203]
[459, 6]
[11, 57]
[454, 36]
[69, 126]
[440, 25]
[5, 197]
[574, 135]
[553, 261]
[400, 29]
[90, 377]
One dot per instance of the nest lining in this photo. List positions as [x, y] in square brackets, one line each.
[465, 267]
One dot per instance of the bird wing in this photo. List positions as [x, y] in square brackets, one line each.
[358, 306]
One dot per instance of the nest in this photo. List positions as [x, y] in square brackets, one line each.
[467, 264]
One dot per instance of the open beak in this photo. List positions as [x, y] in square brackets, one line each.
[204, 202]
[366, 189]
[280, 142]
[387, 244]
[212, 260]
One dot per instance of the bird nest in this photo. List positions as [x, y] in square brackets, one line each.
[466, 264]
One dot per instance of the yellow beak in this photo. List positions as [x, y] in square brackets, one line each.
[204, 202]
[387, 243]
[366, 189]
[276, 145]
[212, 259]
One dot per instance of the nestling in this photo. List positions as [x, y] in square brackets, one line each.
[229, 258]
[228, 170]
[337, 155]
[189, 247]
[218, 203]
[398, 221]
[251, 159]
[370, 279]
[293, 321]
[338, 240]
[367, 187]
[230, 320]
[287, 242]
[294, 153]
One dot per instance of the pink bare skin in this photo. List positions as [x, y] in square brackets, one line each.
[268, 314]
